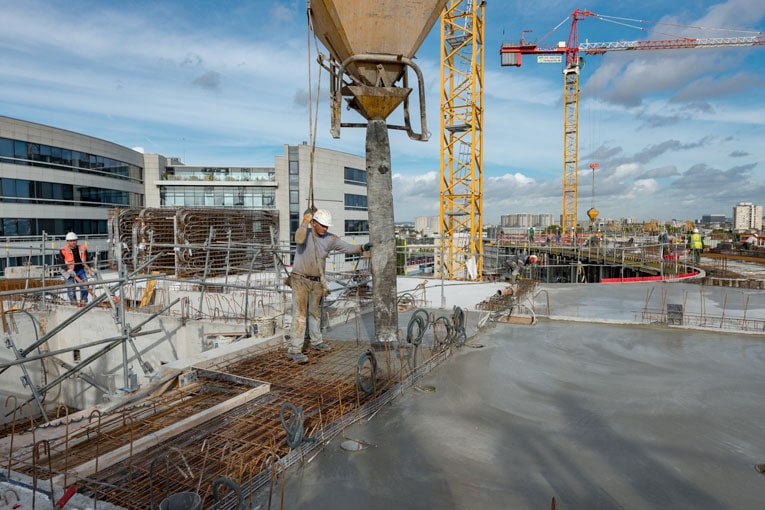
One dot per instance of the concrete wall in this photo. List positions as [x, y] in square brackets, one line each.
[176, 339]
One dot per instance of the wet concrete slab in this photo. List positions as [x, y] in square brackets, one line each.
[597, 415]
[622, 302]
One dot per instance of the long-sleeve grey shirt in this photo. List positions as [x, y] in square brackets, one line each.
[312, 250]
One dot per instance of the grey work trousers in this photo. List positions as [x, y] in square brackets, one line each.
[306, 304]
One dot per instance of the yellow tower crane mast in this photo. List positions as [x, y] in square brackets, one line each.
[461, 208]
[511, 55]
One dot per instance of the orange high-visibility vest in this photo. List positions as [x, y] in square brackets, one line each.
[66, 252]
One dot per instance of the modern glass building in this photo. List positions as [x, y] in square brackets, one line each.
[56, 181]
[53, 181]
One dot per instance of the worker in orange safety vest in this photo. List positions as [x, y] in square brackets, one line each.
[74, 268]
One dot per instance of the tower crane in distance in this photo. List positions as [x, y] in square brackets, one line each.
[511, 54]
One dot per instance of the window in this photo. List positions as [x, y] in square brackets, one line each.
[194, 196]
[356, 227]
[20, 151]
[355, 176]
[27, 153]
[355, 202]
[6, 148]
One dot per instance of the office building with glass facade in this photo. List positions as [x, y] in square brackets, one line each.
[56, 181]
[53, 181]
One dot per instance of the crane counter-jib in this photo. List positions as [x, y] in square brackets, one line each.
[511, 53]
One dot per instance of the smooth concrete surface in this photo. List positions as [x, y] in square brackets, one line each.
[606, 302]
[597, 415]
[620, 302]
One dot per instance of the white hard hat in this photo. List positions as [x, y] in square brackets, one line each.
[323, 217]
[71, 236]
[695, 231]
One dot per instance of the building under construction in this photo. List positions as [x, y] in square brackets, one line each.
[171, 388]
[176, 390]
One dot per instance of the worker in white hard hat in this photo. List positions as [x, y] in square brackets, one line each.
[696, 244]
[313, 244]
[74, 264]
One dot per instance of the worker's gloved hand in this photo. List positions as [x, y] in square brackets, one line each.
[69, 274]
[307, 216]
[366, 247]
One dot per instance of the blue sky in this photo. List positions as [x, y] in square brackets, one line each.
[677, 134]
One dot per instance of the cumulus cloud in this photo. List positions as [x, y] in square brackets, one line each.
[417, 195]
[282, 13]
[629, 78]
[191, 60]
[302, 98]
[660, 173]
[662, 113]
[708, 87]
[711, 181]
[209, 81]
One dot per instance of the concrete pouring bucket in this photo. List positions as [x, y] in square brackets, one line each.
[181, 501]
[373, 42]
[379, 27]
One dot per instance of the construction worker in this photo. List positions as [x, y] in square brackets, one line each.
[663, 240]
[696, 245]
[74, 268]
[313, 244]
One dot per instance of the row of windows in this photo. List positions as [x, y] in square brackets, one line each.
[38, 192]
[219, 174]
[355, 202]
[355, 176]
[37, 154]
[294, 173]
[223, 196]
[356, 227]
[11, 227]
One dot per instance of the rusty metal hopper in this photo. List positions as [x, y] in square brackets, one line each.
[372, 42]
[379, 27]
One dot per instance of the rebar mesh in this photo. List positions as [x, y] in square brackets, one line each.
[247, 444]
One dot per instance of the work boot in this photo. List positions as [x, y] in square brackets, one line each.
[297, 357]
[324, 346]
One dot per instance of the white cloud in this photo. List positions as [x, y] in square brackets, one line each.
[230, 86]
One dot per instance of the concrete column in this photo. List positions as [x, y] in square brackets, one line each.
[381, 231]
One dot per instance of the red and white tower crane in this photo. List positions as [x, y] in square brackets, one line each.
[512, 53]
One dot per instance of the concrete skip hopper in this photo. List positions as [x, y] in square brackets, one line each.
[371, 42]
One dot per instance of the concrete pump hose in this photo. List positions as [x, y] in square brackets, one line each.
[294, 428]
[422, 325]
[367, 388]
